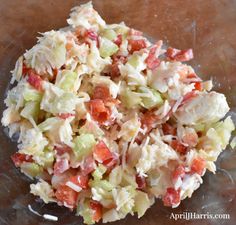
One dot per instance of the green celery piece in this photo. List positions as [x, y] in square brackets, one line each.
[31, 110]
[151, 102]
[98, 173]
[68, 80]
[32, 95]
[109, 34]
[130, 99]
[83, 145]
[107, 48]
[31, 169]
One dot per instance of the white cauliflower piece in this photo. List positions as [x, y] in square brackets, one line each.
[204, 108]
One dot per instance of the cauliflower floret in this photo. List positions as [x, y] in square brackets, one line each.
[204, 108]
[43, 190]
[85, 16]
[48, 54]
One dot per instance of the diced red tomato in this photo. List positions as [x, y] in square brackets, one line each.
[152, 61]
[80, 180]
[136, 45]
[97, 210]
[65, 115]
[118, 40]
[99, 111]
[179, 172]
[35, 80]
[149, 120]
[67, 196]
[111, 163]
[88, 165]
[141, 181]
[101, 92]
[178, 147]
[179, 55]
[172, 197]
[168, 129]
[19, 158]
[60, 166]
[62, 149]
[101, 152]
[198, 165]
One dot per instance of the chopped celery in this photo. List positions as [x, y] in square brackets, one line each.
[68, 80]
[199, 127]
[48, 124]
[130, 99]
[142, 203]
[31, 169]
[59, 53]
[30, 94]
[48, 157]
[109, 34]
[98, 173]
[85, 211]
[134, 60]
[92, 128]
[31, 110]
[107, 48]
[83, 145]
[104, 184]
[152, 99]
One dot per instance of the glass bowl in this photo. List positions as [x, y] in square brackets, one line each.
[207, 26]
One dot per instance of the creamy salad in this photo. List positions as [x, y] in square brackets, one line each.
[108, 121]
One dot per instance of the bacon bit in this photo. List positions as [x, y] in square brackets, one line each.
[80, 180]
[198, 165]
[19, 158]
[97, 210]
[65, 115]
[25, 69]
[35, 80]
[168, 129]
[179, 55]
[60, 166]
[91, 35]
[67, 196]
[187, 97]
[98, 110]
[178, 147]
[101, 92]
[118, 40]
[133, 32]
[88, 165]
[141, 182]
[117, 60]
[191, 139]
[172, 197]
[149, 120]
[62, 149]
[136, 45]
[101, 152]
[198, 86]
[152, 61]
[179, 172]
